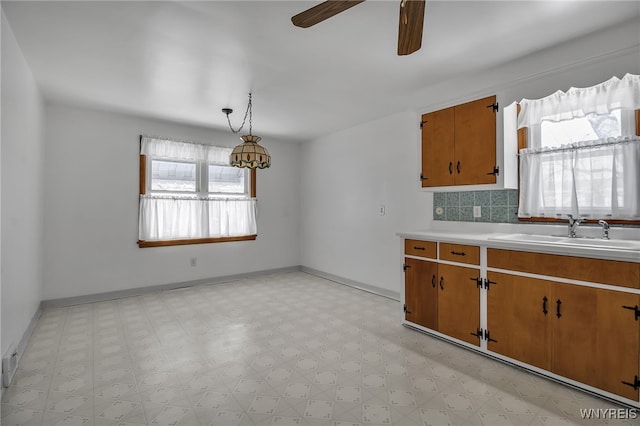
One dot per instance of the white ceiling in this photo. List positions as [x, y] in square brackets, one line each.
[185, 61]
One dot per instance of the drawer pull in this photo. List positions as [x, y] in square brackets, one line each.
[544, 305]
[418, 248]
[458, 253]
[558, 303]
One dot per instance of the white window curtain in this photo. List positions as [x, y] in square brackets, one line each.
[164, 217]
[178, 150]
[587, 178]
[175, 218]
[602, 98]
[597, 179]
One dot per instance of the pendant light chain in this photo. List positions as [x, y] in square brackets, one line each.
[247, 112]
[249, 154]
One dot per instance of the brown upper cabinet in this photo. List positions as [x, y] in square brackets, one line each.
[459, 144]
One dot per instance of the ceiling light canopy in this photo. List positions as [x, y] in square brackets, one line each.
[249, 154]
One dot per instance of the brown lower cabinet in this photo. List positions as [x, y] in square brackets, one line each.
[421, 292]
[587, 334]
[458, 302]
[443, 297]
[516, 318]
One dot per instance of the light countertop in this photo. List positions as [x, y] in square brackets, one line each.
[489, 240]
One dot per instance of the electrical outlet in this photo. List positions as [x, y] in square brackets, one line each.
[194, 262]
[477, 211]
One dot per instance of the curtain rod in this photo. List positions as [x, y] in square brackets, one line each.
[194, 198]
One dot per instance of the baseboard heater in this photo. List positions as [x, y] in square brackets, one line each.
[9, 367]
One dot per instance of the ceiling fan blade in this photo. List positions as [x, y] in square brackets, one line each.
[410, 26]
[322, 11]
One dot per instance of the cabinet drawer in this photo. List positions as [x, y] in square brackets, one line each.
[420, 248]
[460, 253]
[624, 274]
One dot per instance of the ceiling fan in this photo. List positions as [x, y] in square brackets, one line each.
[409, 26]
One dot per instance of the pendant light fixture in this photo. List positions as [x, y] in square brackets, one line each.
[249, 154]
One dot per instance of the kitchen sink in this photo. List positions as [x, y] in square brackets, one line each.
[568, 241]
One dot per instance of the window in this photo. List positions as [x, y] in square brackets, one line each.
[173, 176]
[190, 194]
[592, 126]
[226, 180]
[583, 153]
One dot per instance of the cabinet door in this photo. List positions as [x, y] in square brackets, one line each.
[458, 302]
[475, 142]
[595, 338]
[438, 148]
[421, 294]
[519, 315]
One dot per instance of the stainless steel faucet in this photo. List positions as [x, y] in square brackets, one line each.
[573, 224]
[605, 229]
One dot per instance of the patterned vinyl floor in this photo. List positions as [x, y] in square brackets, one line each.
[283, 349]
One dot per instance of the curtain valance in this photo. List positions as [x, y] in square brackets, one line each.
[576, 102]
[181, 150]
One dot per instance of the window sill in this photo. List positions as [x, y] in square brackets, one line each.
[167, 243]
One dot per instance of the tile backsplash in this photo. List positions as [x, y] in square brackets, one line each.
[496, 206]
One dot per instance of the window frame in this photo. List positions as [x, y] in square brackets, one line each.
[144, 188]
[523, 142]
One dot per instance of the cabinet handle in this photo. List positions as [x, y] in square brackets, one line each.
[558, 303]
[433, 280]
[634, 309]
[496, 171]
[458, 253]
[458, 167]
[441, 283]
[418, 248]
[544, 305]
[636, 383]
[450, 168]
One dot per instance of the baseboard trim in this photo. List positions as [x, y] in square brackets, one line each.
[119, 294]
[351, 283]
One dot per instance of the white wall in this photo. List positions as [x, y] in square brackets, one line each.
[349, 173]
[346, 177]
[91, 204]
[22, 152]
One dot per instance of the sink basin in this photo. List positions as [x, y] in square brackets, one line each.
[531, 238]
[617, 244]
[568, 241]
